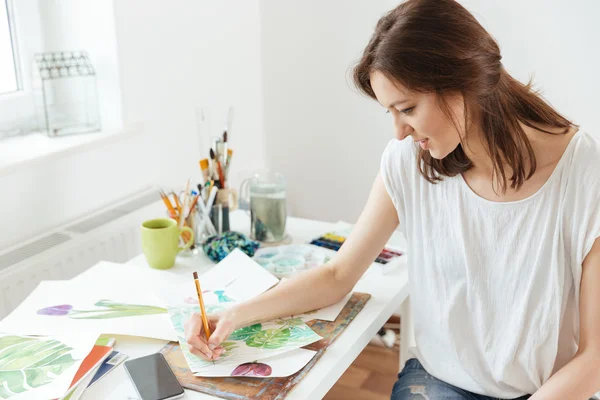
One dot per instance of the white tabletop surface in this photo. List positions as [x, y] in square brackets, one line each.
[387, 294]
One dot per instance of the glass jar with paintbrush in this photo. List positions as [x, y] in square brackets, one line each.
[216, 171]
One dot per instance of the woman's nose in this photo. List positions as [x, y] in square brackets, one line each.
[402, 129]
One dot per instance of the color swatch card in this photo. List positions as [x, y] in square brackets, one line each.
[59, 306]
[87, 370]
[41, 367]
[111, 362]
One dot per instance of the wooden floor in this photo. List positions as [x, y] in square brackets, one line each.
[370, 377]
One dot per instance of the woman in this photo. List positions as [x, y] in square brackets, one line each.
[499, 197]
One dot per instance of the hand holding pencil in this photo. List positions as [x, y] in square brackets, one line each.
[204, 333]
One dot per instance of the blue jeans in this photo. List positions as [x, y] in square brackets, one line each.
[414, 383]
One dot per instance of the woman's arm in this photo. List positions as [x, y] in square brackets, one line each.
[317, 288]
[327, 285]
[579, 379]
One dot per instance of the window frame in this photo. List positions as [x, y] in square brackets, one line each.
[14, 46]
[20, 117]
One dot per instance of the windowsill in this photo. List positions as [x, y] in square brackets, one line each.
[23, 151]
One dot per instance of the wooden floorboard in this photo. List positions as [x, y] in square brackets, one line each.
[370, 377]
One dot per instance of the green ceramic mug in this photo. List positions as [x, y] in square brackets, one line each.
[160, 242]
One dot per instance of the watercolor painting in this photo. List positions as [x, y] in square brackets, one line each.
[112, 309]
[247, 344]
[252, 369]
[54, 307]
[288, 332]
[27, 362]
[277, 366]
[211, 296]
[40, 366]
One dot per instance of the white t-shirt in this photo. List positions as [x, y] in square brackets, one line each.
[495, 285]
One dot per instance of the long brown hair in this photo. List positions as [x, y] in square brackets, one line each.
[438, 46]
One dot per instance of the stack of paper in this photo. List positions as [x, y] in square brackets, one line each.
[39, 360]
[268, 349]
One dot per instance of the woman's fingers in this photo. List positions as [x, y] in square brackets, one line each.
[194, 337]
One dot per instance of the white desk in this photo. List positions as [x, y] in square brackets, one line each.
[388, 292]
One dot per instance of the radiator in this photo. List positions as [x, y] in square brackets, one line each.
[109, 234]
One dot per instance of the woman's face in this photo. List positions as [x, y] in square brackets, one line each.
[419, 116]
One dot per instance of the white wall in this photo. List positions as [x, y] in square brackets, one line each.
[175, 57]
[288, 61]
[554, 41]
[172, 57]
[317, 128]
[324, 137]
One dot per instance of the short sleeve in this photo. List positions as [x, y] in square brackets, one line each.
[393, 174]
[588, 192]
[593, 226]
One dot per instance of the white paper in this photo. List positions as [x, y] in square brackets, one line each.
[235, 279]
[328, 313]
[72, 348]
[124, 309]
[241, 276]
[245, 345]
[271, 367]
[80, 388]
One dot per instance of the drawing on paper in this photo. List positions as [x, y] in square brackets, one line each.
[252, 369]
[289, 332]
[27, 362]
[246, 344]
[196, 363]
[222, 297]
[111, 309]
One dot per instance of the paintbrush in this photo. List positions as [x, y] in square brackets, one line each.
[212, 170]
[225, 148]
[219, 169]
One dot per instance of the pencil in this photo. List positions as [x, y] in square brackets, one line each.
[184, 204]
[167, 202]
[202, 310]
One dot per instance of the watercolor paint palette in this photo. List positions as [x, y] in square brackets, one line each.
[290, 260]
[334, 241]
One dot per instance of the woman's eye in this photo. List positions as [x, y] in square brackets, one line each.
[387, 111]
[407, 110]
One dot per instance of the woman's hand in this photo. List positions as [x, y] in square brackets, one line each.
[221, 327]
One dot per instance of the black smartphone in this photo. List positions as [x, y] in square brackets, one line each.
[153, 378]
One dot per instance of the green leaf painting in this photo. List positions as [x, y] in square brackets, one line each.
[111, 309]
[286, 332]
[27, 362]
[246, 333]
[248, 343]
[270, 338]
[290, 322]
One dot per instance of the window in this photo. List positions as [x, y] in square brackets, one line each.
[8, 70]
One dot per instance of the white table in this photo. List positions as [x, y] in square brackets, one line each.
[388, 293]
